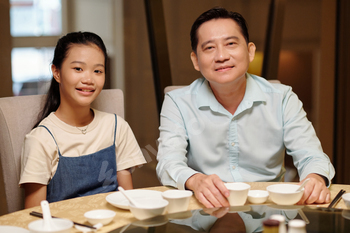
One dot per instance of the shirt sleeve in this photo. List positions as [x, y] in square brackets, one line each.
[301, 141]
[172, 168]
[37, 157]
[128, 152]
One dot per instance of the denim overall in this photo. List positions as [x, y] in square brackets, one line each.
[84, 175]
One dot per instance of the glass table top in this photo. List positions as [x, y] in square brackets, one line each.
[242, 219]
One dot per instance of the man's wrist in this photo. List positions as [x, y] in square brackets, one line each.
[325, 179]
[189, 182]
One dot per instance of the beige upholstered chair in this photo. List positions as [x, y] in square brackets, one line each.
[17, 117]
[170, 88]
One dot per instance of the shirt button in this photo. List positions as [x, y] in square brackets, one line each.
[233, 167]
[232, 144]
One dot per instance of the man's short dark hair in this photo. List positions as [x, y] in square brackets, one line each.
[217, 13]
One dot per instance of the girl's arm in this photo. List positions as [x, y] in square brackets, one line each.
[34, 194]
[124, 179]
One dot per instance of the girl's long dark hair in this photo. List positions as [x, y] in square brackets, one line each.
[63, 45]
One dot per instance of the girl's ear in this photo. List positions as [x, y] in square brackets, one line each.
[55, 73]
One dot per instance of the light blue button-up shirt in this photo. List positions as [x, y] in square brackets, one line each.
[197, 134]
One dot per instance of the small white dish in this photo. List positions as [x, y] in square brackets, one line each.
[238, 193]
[61, 226]
[13, 229]
[99, 216]
[346, 199]
[178, 200]
[151, 207]
[49, 224]
[117, 199]
[257, 196]
[284, 194]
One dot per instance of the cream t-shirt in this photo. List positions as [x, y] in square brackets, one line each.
[40, 155]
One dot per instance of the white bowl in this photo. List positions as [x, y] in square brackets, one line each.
[178, 200]
[346, 199]
[238, 193]
[99, 216]
[284, 194]
[150, 207]
[257, 196]
[61, 226]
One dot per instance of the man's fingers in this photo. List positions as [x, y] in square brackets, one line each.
[305, 196]
[222, 188]
[202, 199]
[210, 190]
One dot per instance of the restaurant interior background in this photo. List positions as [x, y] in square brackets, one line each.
[314, 60]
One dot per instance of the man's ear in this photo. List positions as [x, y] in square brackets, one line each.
[56, 73]
[251, 51]
[194, 60]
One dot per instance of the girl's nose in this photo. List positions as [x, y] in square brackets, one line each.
[87, 79]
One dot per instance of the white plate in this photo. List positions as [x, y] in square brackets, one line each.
[118, 200]
[12, 229]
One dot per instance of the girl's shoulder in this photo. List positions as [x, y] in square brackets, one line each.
[109, 122]
[107, 118]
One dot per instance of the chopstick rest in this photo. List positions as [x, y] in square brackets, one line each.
[40, 215]
[336, 199]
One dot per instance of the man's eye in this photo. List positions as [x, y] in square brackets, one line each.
[231, 43]
[209, 48]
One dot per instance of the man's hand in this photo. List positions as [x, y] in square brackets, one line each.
[315, 191]
[209, 190]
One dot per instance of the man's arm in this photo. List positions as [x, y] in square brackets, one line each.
[172, 168]
[303, 145]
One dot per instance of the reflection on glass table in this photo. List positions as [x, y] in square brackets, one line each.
[242, 219]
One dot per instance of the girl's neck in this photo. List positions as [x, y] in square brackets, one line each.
[78, 117]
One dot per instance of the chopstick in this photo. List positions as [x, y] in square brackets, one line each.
[336, 199]
[40, 215]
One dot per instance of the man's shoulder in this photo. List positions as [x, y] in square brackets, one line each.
[271, 86]
[185, 90]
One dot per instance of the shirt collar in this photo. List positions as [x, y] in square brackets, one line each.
[253, 93]
[206, 97]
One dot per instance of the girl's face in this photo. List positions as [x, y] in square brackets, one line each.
[82, 75]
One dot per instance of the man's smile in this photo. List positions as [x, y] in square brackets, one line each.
[224, 68]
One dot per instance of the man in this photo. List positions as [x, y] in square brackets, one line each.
[231, 126]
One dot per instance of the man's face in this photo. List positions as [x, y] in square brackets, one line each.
[223, 55]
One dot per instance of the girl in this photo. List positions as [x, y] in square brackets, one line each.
[74, 150]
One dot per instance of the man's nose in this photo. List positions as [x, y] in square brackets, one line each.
[221, 54]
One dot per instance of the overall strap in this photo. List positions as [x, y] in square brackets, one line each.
[59, 153]
[115, 128]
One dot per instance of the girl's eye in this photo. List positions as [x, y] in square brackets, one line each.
[99, 71]
[78, 68]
